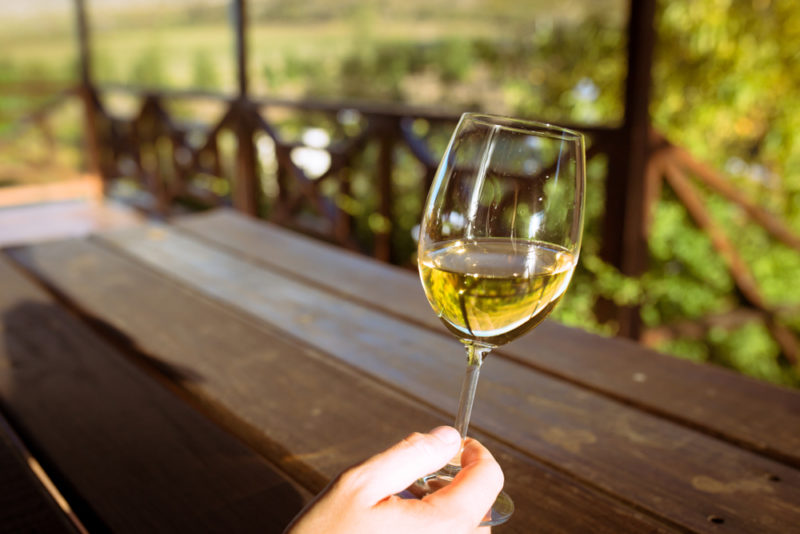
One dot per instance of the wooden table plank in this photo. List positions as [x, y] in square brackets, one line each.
[25, 504]
[756, 415]
[46, 221]
[311, 414]
[642, 459]
[127, 454]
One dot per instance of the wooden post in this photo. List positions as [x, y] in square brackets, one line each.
[246, 190]
[240, 27]
[87, 93]
[343, 224]
[624, 238]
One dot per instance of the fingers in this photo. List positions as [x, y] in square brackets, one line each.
[474, 489]
[395, 469]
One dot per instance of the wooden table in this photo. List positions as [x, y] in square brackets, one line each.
[211, 374]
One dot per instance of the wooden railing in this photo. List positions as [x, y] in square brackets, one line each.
[53, 94]
[675, 167]
[171, 177]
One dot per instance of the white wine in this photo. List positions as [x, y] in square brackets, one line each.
[493, 290]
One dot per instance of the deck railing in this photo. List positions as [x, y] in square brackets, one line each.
[142, 138]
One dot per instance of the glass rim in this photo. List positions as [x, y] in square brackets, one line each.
[524, 126]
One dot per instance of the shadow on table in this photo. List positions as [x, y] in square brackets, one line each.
[127, 453]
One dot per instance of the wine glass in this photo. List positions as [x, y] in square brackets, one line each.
[499, 241]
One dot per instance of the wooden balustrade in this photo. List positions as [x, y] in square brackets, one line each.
[675, 166]
[387, 129]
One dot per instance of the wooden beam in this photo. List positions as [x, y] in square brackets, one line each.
[86, 90]
[84, 54]
[772, 224]
[738, 269]
[694, 205]
[240, 28]
[246, 187]
[624, 238]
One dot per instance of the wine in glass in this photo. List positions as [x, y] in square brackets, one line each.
[499, 241]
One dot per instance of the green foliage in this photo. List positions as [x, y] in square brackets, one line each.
[149, 68]
[204, 71]
[730, 67]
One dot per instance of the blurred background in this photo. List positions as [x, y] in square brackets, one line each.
[330, 117]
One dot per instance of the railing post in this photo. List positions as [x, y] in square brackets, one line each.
[246, 190]
[624, 238]
[87, 93]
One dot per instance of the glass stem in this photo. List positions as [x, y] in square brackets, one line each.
[475, 355]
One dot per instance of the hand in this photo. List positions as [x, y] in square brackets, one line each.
[362, 500]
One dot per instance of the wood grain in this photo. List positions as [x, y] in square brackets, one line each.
[639, 458]
[25, 505]
[300, 407]
[756, 415]
[127, 454]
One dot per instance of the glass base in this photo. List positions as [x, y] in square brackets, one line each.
[501, 510]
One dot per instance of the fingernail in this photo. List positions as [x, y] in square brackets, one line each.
[447, 434]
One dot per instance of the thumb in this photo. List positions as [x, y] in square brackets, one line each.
[474, 488]
[395, 469]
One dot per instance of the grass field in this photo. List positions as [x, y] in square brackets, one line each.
[167, 44]
[120, 53]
